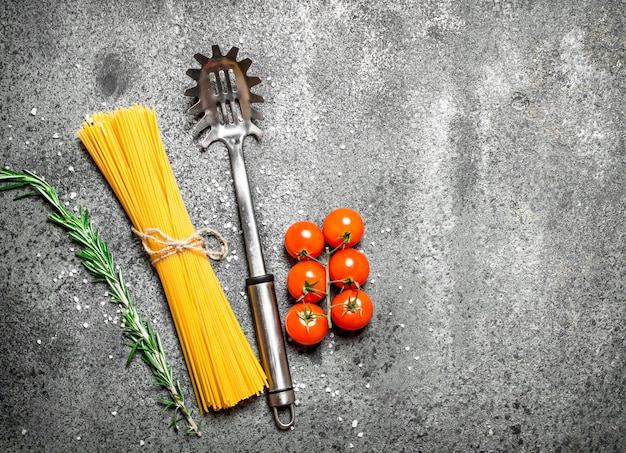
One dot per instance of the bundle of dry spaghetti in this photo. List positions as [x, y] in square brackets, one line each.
[126, 145]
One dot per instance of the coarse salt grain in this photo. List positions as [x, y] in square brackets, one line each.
[355, 423]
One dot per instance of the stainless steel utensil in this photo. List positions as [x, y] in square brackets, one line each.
[224, 98]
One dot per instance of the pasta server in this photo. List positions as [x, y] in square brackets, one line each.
[225, 114]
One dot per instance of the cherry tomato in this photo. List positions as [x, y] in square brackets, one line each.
[343, 226]
[304, 239]
[306, 281]
[351, 309]
[348, 267]
[306, 323]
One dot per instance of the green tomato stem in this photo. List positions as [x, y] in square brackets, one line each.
[328, 283]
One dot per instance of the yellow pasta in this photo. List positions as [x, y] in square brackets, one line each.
[126, 145]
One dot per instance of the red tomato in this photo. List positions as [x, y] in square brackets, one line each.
[306, 281]
[306, 323]
[304, 239]
[343, 226]
[348, 267]
[351, 309]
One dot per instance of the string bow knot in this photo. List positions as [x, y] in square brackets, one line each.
[169, 246]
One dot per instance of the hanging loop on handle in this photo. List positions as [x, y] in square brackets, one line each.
[290, 422]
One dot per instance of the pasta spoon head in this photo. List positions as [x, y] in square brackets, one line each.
[223, 98]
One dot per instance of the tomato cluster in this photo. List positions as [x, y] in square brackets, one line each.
[313, 278]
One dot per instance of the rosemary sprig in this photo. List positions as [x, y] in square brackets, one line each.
[98, 261]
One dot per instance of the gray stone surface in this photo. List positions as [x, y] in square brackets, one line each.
[483, 143]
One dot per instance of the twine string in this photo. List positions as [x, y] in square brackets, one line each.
[169, 246]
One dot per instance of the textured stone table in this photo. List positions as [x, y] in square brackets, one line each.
[483, 143]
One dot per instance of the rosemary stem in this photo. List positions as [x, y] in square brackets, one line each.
[99, 263]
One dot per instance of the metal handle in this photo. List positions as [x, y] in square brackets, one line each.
[254, 251]
[272, 346]
[262, 296]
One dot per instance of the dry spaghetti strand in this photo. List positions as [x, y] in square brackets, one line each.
[127, 148]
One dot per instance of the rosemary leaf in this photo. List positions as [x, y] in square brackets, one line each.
[15, 186]
[133, 349]
[97, 260]
[167, 403]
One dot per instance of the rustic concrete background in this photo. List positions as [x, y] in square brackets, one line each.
[483, 143]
